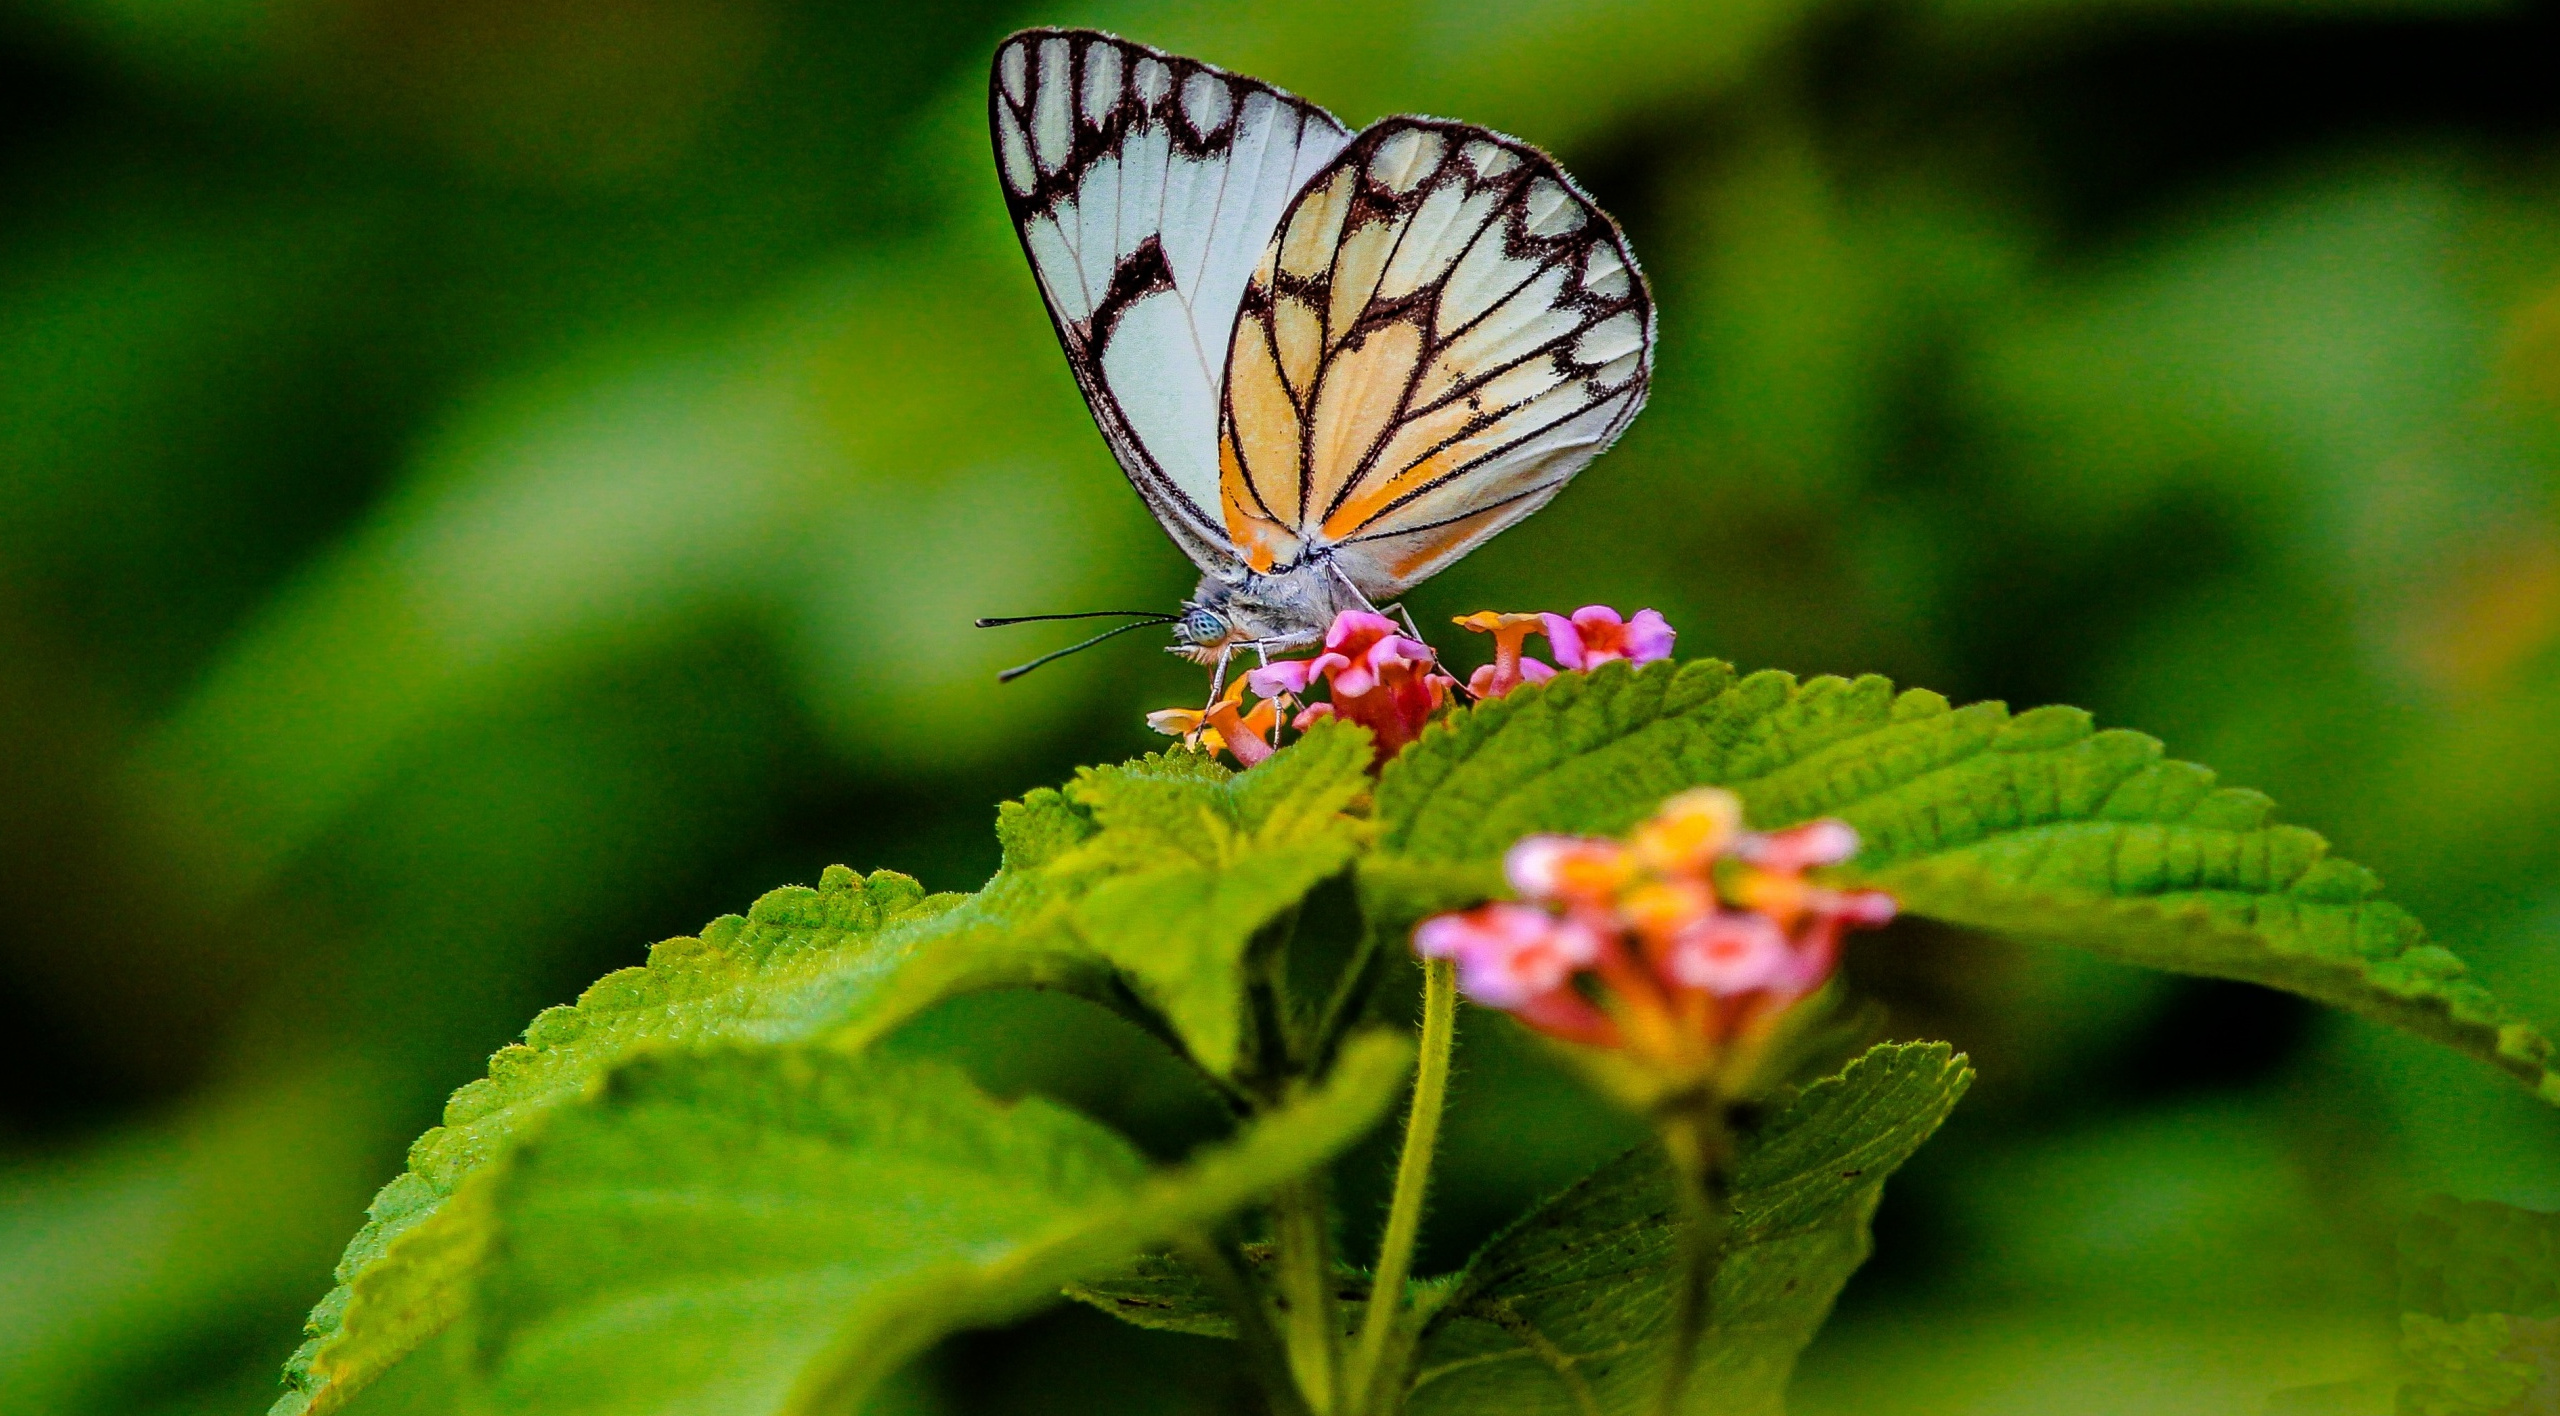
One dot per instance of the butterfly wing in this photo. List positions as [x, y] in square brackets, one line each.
[1443, 331]
[1145, 187]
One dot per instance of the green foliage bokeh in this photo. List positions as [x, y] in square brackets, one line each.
[486, 487]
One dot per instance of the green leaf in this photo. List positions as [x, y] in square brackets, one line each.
[1560, 1312]
[796, 966]
[1139, 887]
[1186, 867]
[1010, 933]
[2035, 825]
[1143, 886]
[1564, 1312]
[1162, 1292]
[775, 1230]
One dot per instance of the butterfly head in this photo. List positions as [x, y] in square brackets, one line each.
[1275, 614]
[1202, 628]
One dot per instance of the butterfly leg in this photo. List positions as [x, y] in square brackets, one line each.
[1262, 655]
[1218, 678]
[1361, 601]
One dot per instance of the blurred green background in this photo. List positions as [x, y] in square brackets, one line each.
[485, 486]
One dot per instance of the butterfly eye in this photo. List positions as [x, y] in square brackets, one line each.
[1201, 626]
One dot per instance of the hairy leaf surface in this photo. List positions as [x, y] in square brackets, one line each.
[1143, 885]
[1563, 1311]
[1566, 1311]
[1185, 867]
[775, 1230]
[795, 966]
[1138, 886]
[2034, 824]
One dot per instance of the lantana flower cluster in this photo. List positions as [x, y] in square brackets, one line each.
[1586, 639]
[1374, 674]
[1680, 949]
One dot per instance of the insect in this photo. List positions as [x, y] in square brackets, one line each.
[1332, 363]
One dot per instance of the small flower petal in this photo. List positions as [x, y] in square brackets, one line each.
[1237, 733]
[1649, 637]
[1662, 909]
[1865, 909]
[1565, 638]
[1800, 848]
[1690, 831]
[1509, 669]
[1355, 630]
[1284, 676]
[1507, 954]
[1568, 868]
[1729, 953]
[1596, 635]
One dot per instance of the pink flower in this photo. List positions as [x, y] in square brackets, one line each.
[1375, 676]
[1730, 952]
[1864, 909]
[1595, 636]
[1682, 949]
[1286, 677]
[1508, 954]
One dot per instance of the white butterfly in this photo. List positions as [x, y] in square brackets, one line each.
[1331, 364]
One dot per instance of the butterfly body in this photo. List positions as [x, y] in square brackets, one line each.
[1273, 614]
[1331, 363]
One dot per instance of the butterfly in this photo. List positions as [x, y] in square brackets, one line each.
[1332, 363]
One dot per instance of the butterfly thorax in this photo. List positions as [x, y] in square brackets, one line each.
[1285, 610]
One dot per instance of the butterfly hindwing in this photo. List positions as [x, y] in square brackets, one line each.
[1145, 187]
[1440, 334]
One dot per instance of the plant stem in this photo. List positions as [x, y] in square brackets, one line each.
[1413, 1181]
[1305, 1260]
[1253, 1320]
[1350, 995]
[1699, 1147]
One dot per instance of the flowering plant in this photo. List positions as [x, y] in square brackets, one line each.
[1391, 683]
[1375, 677]
[1670, 961]
[845, 1200]
[1586, 639]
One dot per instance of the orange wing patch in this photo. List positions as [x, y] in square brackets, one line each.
[1442, 333]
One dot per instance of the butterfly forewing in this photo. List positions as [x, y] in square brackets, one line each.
[1441, 333]
[1145, 188]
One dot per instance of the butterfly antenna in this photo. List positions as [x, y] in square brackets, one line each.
[1158, 616]
[1019, 670]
